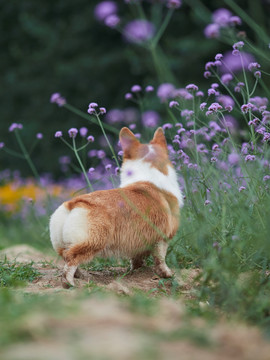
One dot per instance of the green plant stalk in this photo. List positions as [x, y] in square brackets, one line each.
[248, 97]
[265, 88]
[13, 153]
[162, 28]
[194, 128]
[26, 155]
[81, 164]
[107, 140]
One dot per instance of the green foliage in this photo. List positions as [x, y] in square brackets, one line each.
[13, 274]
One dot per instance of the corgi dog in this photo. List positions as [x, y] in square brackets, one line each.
[135, 220]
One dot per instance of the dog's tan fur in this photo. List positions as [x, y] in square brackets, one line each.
[133, 221]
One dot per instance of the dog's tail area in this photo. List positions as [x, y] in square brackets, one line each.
[57, 222]
[68, 227]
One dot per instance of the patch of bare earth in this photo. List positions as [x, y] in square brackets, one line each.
[110, 327]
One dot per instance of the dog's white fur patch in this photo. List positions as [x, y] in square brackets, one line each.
[68, 227]
[76, 228]
[139, 170]
[57, 221]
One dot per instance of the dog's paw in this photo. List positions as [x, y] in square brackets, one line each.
[164, 272]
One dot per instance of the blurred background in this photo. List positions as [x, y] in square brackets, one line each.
[59, 46]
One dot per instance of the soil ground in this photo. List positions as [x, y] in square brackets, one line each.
[121, 324]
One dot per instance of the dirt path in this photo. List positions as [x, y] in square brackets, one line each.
[129, 327]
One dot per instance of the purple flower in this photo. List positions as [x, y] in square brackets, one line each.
[90, 138]
[209, 64]
[165, 91]
[128, 96]
[214, 86]
[257, 74]
[58, 134]
[102, 110]
[192, 87]
[250, 158]
[93, 105]
[241, 188]
[207, 74]
[214, 107]
[15, 126]
[183, 93]
[173, 104]
[212, 31]
[212, 92]
[238, 45]
[149, 88]
[259, 102]
[108, 167]
[226, 78]
[174, 4]
[72, 132]
[233, 158]
[253, 65]
[101, 154]
[225, 101]
[83, 131]
[234, 64]
[266, 177]
[199, 93]
[91, 170]
[136, 88]
[246, 107]
[104, 9]
[167, 126]
[187, 114]
[112, 21]
[150, 118]
[139, 31]
[221, 17]
[2, 144]
[235, 52]
[207, 202]
[235, 20]
[58, 99]
[203, 105]
[218, 57]
[91, 111]
[39, 136]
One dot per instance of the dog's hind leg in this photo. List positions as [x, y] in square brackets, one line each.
[74, 256]
[159, 254]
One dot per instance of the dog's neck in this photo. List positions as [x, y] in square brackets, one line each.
[133, 171]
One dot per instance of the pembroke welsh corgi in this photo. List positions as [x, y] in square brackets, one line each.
[133, 221]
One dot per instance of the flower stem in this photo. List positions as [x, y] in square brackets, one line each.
[108, 141]
[26, 155]
[81, 165]
[162, 28]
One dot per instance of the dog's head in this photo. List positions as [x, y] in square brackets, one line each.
[156, 152]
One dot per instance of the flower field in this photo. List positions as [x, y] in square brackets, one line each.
[217, 128]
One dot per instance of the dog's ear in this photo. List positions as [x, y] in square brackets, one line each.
[128, 141]
[159, 139]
